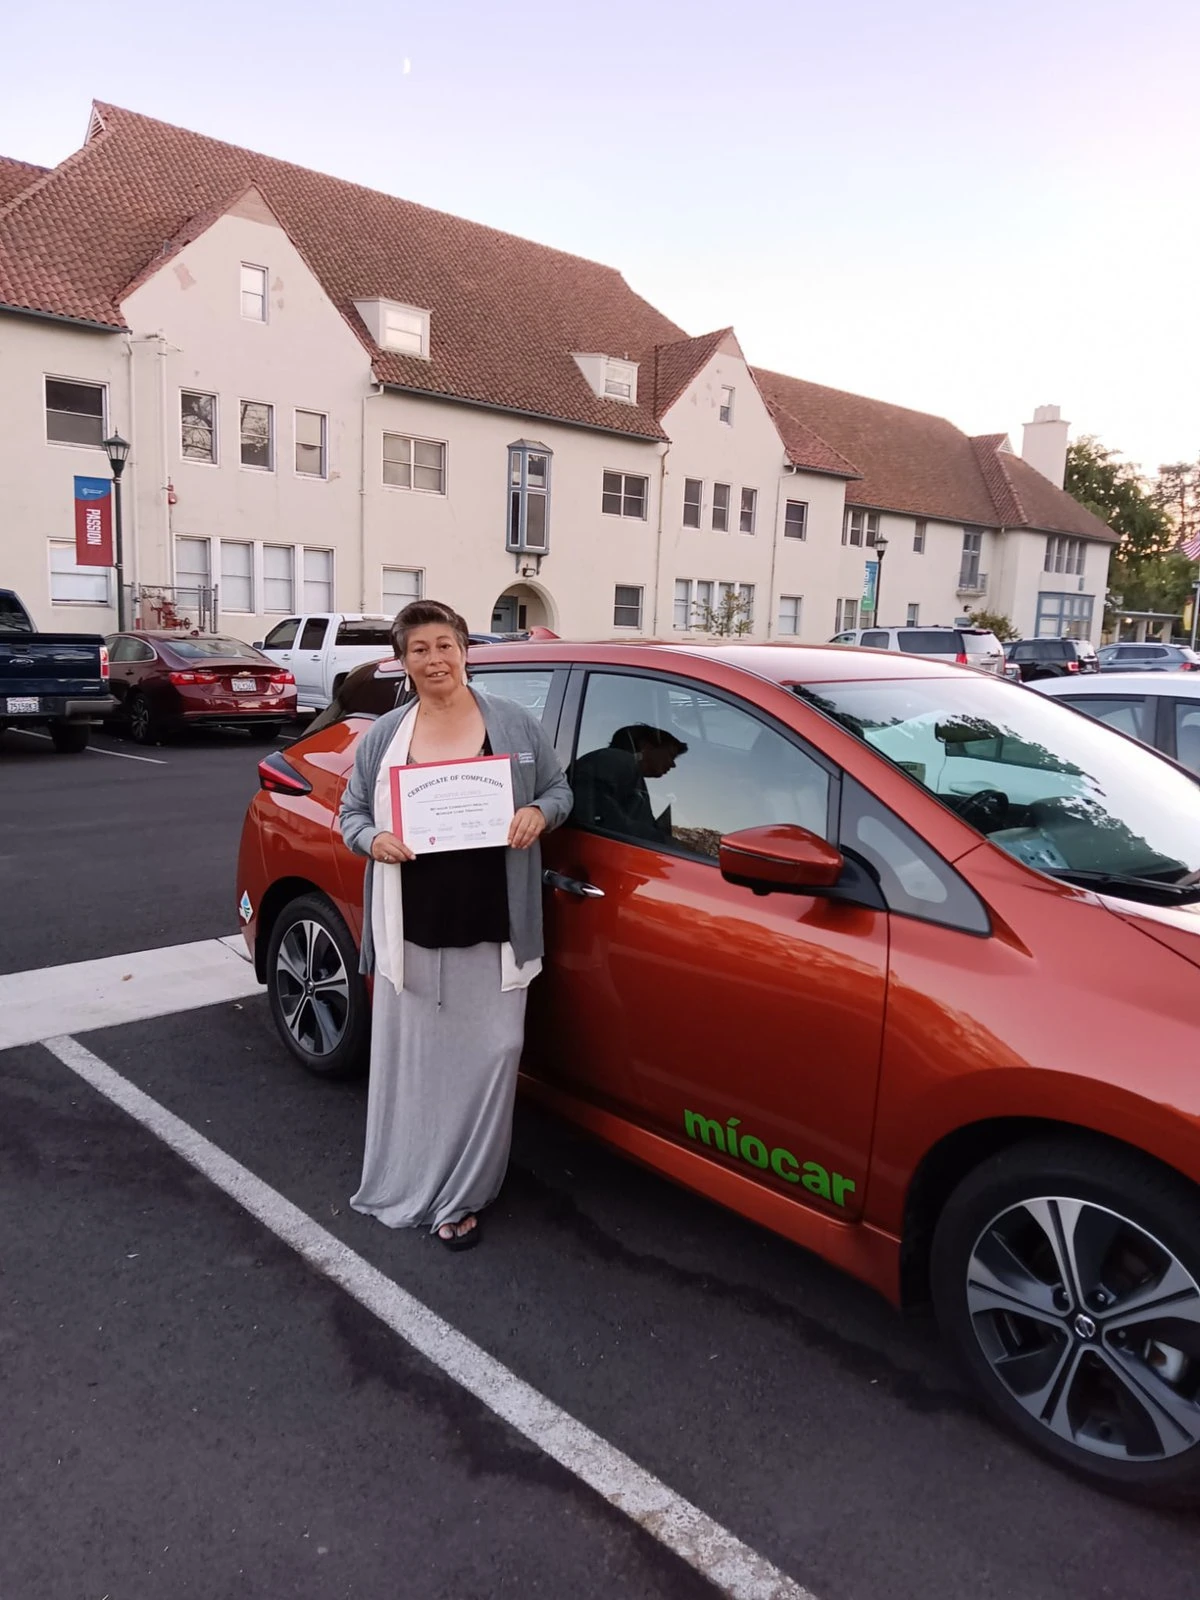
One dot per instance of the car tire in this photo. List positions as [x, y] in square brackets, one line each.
[143, 725]
[1048, 1262]
[327, 1028]
[70, 737]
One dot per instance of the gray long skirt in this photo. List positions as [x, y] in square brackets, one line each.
[444, 1059]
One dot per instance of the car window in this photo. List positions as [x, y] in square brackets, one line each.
[313, 637]
[915, 880]
[363, 630]
[927, 642]
[13, 616]
[283, 635]
[1055, 790]
[843, 638]
[1187, 734]
[528, 686]
[118, 650]
[143, 650]
[1136, 652]
[1129, 715]
[1025, 652]
[671, 766]
[875, 639]
[222, 648]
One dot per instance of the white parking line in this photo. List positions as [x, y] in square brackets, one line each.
[94, 750]
[735, 1569]
[83, 995]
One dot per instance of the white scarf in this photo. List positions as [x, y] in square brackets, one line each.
[387, 902]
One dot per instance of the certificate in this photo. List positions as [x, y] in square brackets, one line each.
[453, 805]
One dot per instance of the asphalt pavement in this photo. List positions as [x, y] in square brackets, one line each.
[189, 1409]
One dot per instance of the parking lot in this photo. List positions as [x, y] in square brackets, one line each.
[200, 1401]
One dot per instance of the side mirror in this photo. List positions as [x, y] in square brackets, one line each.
[257, 645]
[781, 859]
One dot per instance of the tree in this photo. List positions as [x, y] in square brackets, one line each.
[729, 618]
[1178, 492]
[1148, 572]
[1000, 625]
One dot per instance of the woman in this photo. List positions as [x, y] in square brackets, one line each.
[454, 940]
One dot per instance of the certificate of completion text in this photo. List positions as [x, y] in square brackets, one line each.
[453, 805]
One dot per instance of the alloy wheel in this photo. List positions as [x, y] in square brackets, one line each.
[139, 719]
[313, 988]
[1092, 1325]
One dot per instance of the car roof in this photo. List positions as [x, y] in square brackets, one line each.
[776, 663]
[1108, 683]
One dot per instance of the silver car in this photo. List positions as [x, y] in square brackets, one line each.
[969, 647]
[1149, 657]
[1162, 709]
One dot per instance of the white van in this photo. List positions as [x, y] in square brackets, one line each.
[969, 647]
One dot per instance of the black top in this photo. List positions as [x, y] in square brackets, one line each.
[456, 898]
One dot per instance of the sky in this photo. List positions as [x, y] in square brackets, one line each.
[967, 208]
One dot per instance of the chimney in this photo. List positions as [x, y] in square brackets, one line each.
[1044, 445]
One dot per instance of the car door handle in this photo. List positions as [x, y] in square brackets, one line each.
[575, 886]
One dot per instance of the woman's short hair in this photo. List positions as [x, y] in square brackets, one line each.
[422, 614]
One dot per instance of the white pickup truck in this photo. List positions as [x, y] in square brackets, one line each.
[321, 648]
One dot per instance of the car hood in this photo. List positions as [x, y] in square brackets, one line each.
[1178, 927]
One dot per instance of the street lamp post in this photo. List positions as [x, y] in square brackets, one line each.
[881, 545]
[117, 450]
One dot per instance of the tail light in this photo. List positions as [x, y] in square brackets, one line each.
[104, 667]
[179, 678]
[282, 678]
[961, 658]
[1072, 666]
[277, 775]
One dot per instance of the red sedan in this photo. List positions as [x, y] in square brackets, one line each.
[167, 681]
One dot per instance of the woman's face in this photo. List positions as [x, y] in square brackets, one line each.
[434, 660]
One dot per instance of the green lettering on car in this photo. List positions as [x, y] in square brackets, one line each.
[747, 1147]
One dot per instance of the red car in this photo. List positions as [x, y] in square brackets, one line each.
[167, 681]
[894, 957]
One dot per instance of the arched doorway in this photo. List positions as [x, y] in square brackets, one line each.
[522, 606]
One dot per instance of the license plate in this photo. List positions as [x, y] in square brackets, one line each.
[19, 707]
[245, 686]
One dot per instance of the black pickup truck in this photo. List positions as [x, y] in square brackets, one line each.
[56, 681]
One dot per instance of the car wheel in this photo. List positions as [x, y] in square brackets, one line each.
[1066, 1275]
[143, 724]
[70, 737]
[318, 997]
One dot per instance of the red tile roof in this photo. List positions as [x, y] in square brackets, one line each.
[506, 313]
[909, 461]
[15, 176]
[675, 367]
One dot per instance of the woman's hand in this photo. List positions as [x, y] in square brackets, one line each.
[389, 847]
[527, 825]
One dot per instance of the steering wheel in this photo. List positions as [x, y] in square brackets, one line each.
[986, 809]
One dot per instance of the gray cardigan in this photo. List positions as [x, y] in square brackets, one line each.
[537, 780]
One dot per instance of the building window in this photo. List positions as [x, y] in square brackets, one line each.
[1065, 555]
[318, 580]
[254, 293]
[73, 585]
[529, 497]
[919, 536]
[257, 429]
[627, 606]
[972, 549]
[693, 502]
[795, 520]
[860, 527]
[237, 576]
[198, 426]
[726, 410]
[683, 603]
[1064, 616]
[74, 412]
[414, 463]
[720, 508]
[310, 443]
[406, 331]
[193, 573]
[401, 586]
[791, 607]
[279, 571]
[702, 599]
[749, 509]
[620, 380]
[847, 616]
[913, 617]
[624, 495]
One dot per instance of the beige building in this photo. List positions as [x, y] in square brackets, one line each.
[339, 400]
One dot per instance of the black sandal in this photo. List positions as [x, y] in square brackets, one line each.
[460, 1241]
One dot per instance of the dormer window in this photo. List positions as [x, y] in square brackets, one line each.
[396, 327]
[610, 377]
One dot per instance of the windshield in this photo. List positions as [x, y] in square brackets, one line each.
[1053, 788]
[200, 649]
[13, 618]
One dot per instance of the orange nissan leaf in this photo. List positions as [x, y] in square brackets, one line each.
[896, 958]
